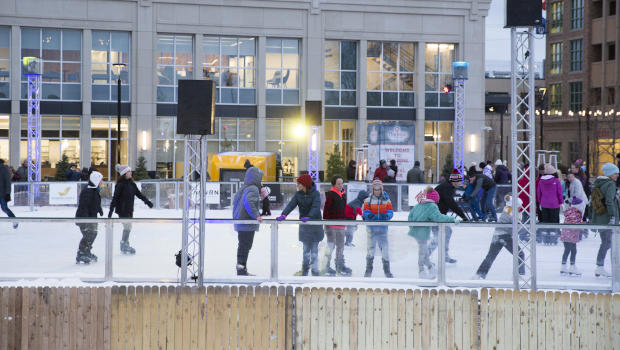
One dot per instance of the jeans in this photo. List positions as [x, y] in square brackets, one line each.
[423, 254]
[474, 202]
[569, 247]
[246, 239]
[335, 238]
[126, 232]
[89, 233]
[487, 202]
[5, 208]
[498, 242]
[349, 231]
[605, 245]
[311, 256]
[380, 240]
[435, 239]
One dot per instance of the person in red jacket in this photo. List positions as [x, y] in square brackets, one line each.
[382, 171]
[334, 209]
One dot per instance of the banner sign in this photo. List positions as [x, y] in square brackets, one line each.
[391, 133]
[63, 193]
[403, 154]
[392, 140]
[212, 193]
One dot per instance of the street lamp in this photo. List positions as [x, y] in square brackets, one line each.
[119, 68]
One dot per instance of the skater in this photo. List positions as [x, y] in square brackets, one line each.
[549, 195]
[351, 170]
[575, 190]
[89, 206]
[473, 200]
[378, 207]
[426, 211]
[334, 209]
[308, 199]
[604, 211]
[351, 211]
[415, 175]
[570, 236]
[264, 196]
[122, 202]
[488, 187]
[381, 172]
[245, 207]
[5, 191]
[502, 238]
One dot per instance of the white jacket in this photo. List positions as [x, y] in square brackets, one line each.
[576, 190]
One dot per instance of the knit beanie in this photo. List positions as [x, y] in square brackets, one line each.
[95, 179]
[433, 196]
[550, 170]
[455, 176]
[305, 180]
[122, 169]
[610, 169]
[377, 182]
[499, 162]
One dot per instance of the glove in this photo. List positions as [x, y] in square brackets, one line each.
[149, 204]
[7, 197]
[281, 217]
[100, 212]
[304, 219]
[109, 214]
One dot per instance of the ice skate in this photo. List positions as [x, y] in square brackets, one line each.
[479, 276]
[91, 256]
[342, 270]
[82, 257]
[564, 269]
[601, 272]
[573, 271]
[369, 262]
[126, 248]
[449, 259]
[386, 268]
[243, 271]
[15, 225]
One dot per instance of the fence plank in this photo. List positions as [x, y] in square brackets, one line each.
[242, 319]
[434, 315]
[263, 318]
[321, 318]
[524, 321]
[168, 342]
[195, 308]
[574, 317]
[594, 331]
[5, 319]
[532, 320]
[307, 316]
[178, 318]
[566, 325]
[500, 337]
[616, 321]
[377, 307]
[507, 319]
[272, 341]
[43, 311]
[26, 318]
[426, 319]
[349, 323]
[338, 319]
[228, 330]
[139, 309]
[461, 319]
[314, 306]
[235, 329]
[400, 326]
[484, 319]
[443, 327]
[475, 321]
[385, 295]
[409, 320]
[144, 309]
[516, 320]
[558, 320]
[73, 317]
[51, 325]
[288, 328]
[541, 315]
[603, 320]
[492, 341]
[361, 318]
[329, 318]
[549, 338]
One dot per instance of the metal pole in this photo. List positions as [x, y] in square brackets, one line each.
[186, 202]
[588, 165]
[118, 120]
[441, 256]
[615, 260]
[501, 135]
[109, 251]
[202, 227]
[273, 275]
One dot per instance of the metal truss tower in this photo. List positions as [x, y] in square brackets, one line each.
[313, 153]
[194, 181]
[34, 136]
[523, 122]
[459, 125]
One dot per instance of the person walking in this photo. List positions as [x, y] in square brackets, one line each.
[123, 201]
[604, 211]
[246, 204]
[351, 170]
[89, 205]
[415, 175]
[488, 187]
[308, 200]
[5, 191]
[381, 172]
[570, 237]
[334, 209]
[351, 211]
[378, 207]
[549, 195]
[22, 171]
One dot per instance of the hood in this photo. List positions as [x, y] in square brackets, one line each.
[253, 176]
[547, 177]
[601, 180]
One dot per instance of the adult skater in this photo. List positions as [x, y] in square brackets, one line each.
[604, 211]
[549, 195]
[488, 187]
[246, 204]
[381, 172]
[5, 190]
[89, 206]
[378, 207]
[308, 199]
[122, 202]
[334, 209]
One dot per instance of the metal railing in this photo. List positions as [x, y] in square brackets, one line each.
[282, 230]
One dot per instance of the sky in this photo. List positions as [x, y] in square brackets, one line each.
[497, 48]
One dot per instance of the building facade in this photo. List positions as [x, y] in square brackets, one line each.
[367, 62]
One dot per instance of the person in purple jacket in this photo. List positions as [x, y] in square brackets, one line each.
[549, 195]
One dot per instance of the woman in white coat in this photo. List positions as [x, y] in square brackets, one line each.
[575, 189]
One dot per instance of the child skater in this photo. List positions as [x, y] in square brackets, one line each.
[570, 237]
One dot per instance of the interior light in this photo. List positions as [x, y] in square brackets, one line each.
[472, 143]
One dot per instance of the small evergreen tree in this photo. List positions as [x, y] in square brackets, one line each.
[140, 173]
[448, 166]
[61, 168]
[335, 165]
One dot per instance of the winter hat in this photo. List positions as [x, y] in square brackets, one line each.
[378, 183]
[509, 201]
[610, 169]
[455, 176]
[95, 179]
[122, 169]
[550, 170]
[576, 201]
[382, 161]
[433, 196]
[498, 162]
[305, 180]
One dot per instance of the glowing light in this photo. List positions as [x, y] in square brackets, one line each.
[314, 141]
[472, 143]
[300, 131]
[144, 143]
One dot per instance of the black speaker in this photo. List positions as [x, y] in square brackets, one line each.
[196, 107]
[314, 112]
[523, 13]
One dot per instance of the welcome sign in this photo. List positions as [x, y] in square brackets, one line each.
[392, 140]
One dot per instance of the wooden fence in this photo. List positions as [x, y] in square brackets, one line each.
[248, 317]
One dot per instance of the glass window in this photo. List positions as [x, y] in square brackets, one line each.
[556, 58]
[103, 150]
[174, 63]
[576, 17]
[389, 78]
[438, 145]
[109, 48]
[341, 133]
[230, 62]
[280, 138]
[555, 17]
[555, 97]
[340, 73]
[5, 66]
[61, 54]
[576, 55]
[438, 73]
[282, 79]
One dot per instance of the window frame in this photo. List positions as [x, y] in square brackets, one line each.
[113, 83]
[575, 96]
[174, 65]
[398, 72]
[441, 74]
[555, 58]
[576, 55]
[555, 17]
[281, 68]
[577, 9]
[340, 71]
[8, 60]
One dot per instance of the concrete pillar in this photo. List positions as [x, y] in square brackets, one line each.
[85, 134]
[15, 117]
[420, 90]
[261, 109]
[361, 83]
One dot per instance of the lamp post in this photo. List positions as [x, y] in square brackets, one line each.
[119, 67]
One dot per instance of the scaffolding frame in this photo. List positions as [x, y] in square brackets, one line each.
[459, 126]
[34, 137]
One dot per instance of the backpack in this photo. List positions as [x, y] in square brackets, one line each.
[598, 202]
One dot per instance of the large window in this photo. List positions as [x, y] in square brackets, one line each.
[555, 17]
[231, 63]
[174, 63]
[555, 97]
[341, 133]
[103, 151]
[282, 71]
[576, 89]
[389, 77]
[556, 58]
[576, 14]
[281, 139]
[4, 137]
[576, 55]
[61, 55]
[5, 65]
[60, 135]
[109, 48]
[438, 73]
[438, 139]
[340, 73]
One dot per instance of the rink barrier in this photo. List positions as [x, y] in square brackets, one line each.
[283, 317]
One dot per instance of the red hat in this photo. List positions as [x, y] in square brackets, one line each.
[456, 176]
[305, 180]
[433, 196]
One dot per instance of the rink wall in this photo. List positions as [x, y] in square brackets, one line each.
[249, 317]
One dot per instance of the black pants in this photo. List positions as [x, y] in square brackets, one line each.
[498, 242]
[551, 216]
[246, 239]
[89, 233]
[605, 245]
[569, 248]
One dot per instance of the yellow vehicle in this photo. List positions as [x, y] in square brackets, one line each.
[229, 166]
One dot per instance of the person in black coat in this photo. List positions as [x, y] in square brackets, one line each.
[351, 170]
[5, 190]
[89, 206]
[122, 202]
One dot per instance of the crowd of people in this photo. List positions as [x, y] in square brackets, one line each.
[73, 173]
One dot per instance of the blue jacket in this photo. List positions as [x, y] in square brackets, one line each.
[247, 200]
